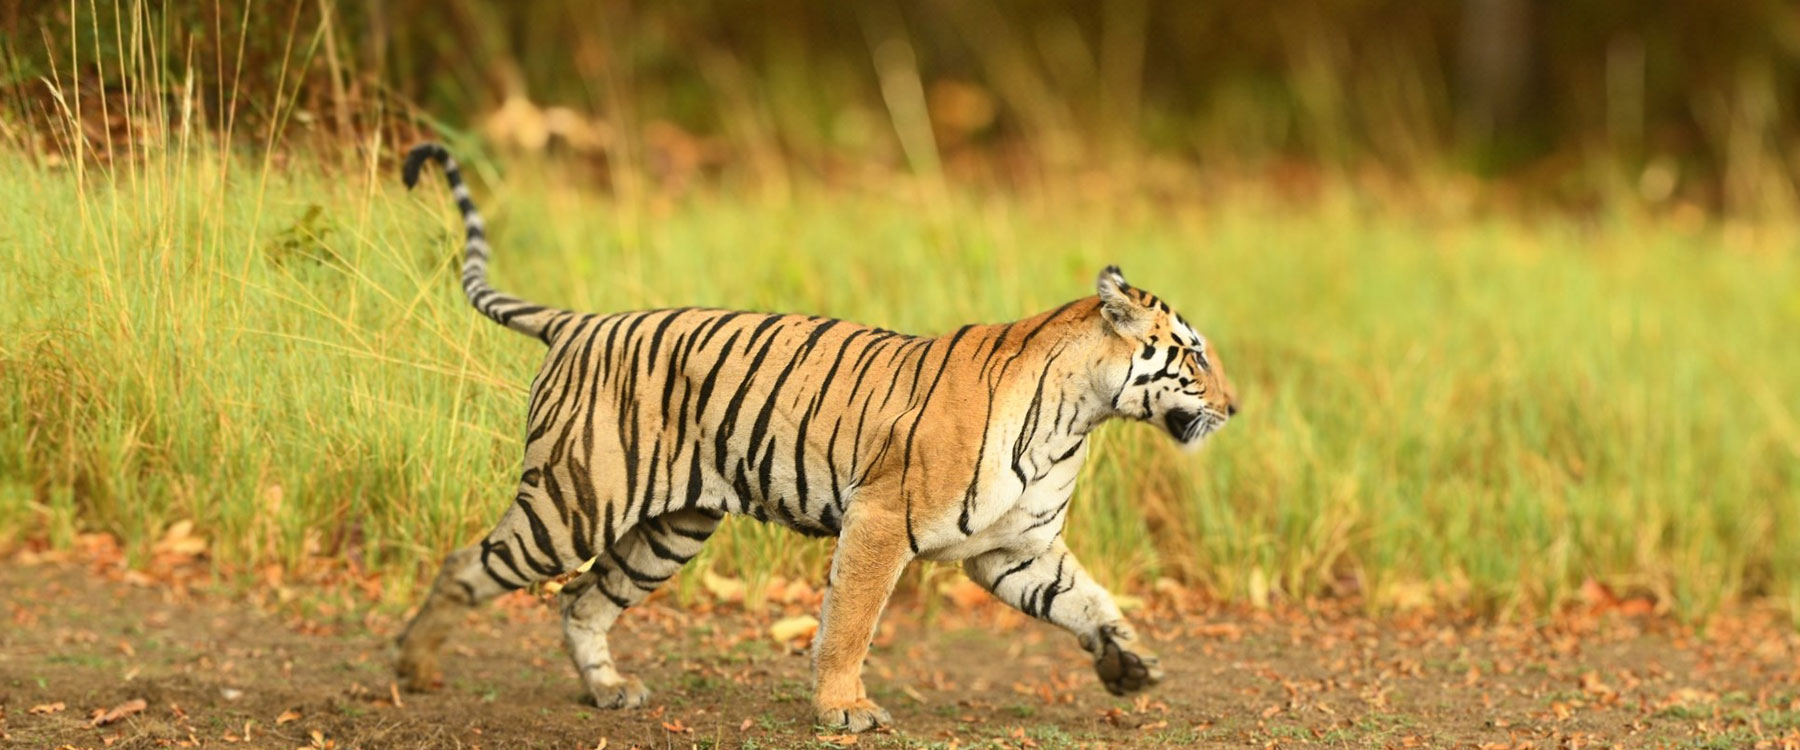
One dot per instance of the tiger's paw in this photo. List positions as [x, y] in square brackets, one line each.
[860, 715]
[1125, 666]
[626, 692]
[418, 674]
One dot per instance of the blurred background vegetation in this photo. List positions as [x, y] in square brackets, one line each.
[1509, 286]
[1572, 105]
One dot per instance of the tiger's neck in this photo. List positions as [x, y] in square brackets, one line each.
[1070, 394]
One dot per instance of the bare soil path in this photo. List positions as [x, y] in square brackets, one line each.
[213, 670]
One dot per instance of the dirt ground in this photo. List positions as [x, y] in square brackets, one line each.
[311, 669]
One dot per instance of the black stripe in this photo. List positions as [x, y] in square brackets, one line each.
[541, 569]
[1055, 589]
[712, 376]
[630, 572]
[698, 536]
[540, 534]
[501, 551]
[650, 478]
[995, 586]
[1045, 323]
[657, 336]
[657, 548]
[618, 601]
[768, 408]
[587, 499]
[694, 483]
[728, 422]
[913, 431]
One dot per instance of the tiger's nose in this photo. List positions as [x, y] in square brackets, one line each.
[1231, 409]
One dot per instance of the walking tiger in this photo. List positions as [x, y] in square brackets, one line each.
[645, 428]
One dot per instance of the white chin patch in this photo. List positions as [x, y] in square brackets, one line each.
[1203, 430]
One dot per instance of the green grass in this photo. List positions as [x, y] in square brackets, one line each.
[1436, 404]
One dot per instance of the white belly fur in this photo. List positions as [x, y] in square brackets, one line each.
[1021, 524]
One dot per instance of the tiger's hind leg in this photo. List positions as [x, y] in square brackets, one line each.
[512, 556]
[635, 565]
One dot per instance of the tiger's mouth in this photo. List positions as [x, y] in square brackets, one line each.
[1190, 426]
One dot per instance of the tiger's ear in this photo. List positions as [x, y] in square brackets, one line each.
[1124, 314]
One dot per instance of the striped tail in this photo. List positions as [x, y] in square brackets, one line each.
[525, 317]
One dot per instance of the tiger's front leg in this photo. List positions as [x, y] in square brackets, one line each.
[1051, 585]
[871, 552]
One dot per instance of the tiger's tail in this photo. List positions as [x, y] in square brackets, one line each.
[520, 315]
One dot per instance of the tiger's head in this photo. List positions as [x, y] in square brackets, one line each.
[1174, 378]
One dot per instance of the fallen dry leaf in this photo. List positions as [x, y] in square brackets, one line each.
[675, 726]
[1227, 630]
[1598, 594]
[179, 541]
[839, 739]
[798, 591]
[47, 708]
[745, 727]
[287, 716]
[1593, 685]
[722, 588]
[1687, 696]
[794, 628]
[964, 593]
[1169, 587]
[119, 712]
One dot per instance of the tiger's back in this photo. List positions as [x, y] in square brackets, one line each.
[780, 417]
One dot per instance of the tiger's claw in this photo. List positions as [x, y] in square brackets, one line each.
[628, 693]
[861, 716]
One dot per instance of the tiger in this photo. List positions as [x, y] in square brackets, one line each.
[644, 429]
